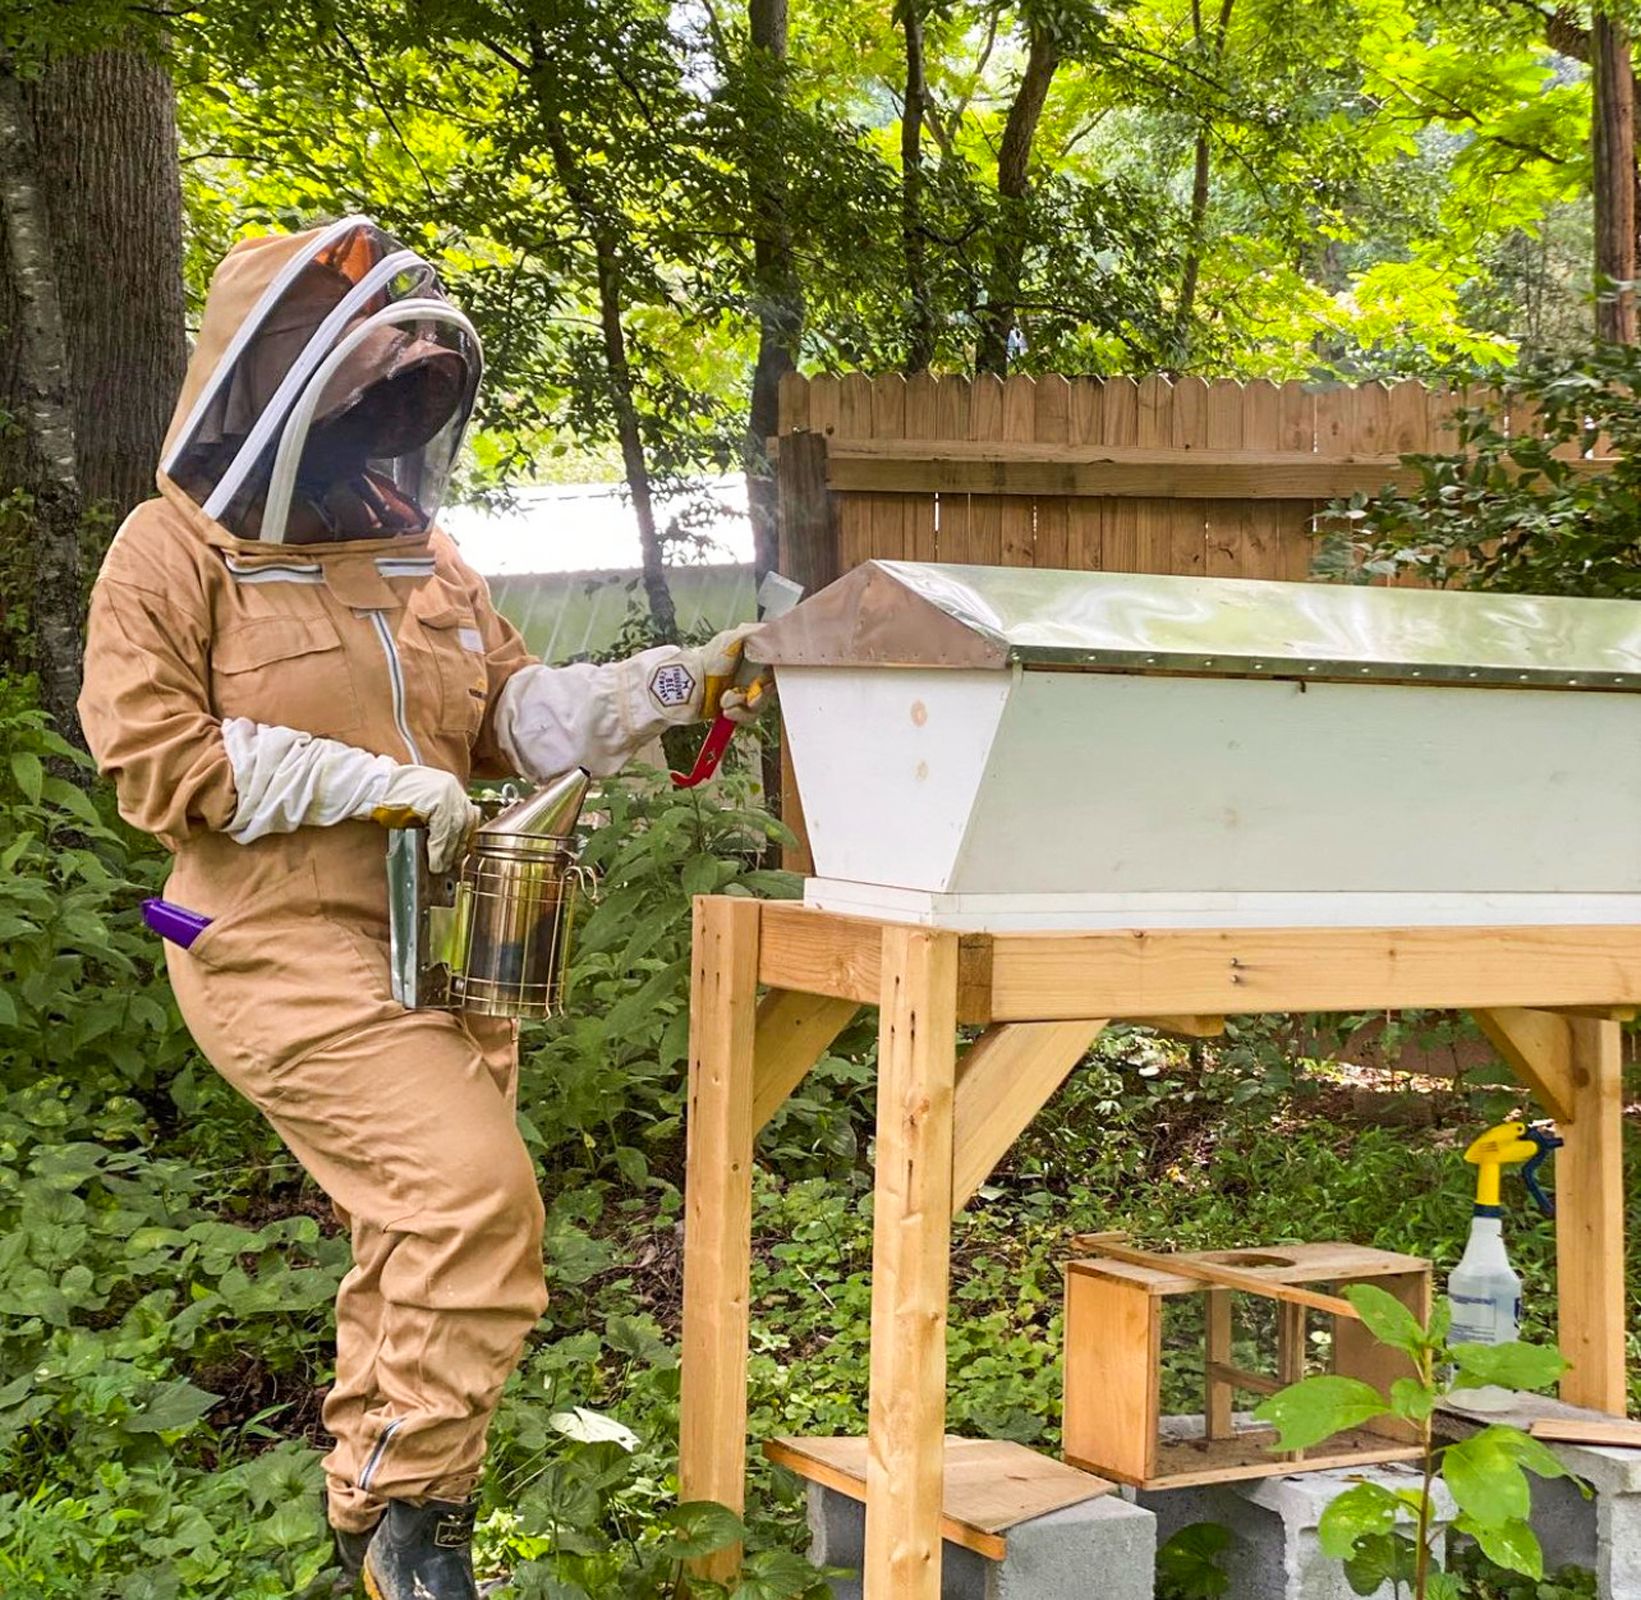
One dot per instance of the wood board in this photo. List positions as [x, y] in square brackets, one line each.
[990, 1485]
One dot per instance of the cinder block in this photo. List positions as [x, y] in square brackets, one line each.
[1274, 1553]
[1102, 1549]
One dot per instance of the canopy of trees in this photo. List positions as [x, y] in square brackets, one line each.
[653, 210]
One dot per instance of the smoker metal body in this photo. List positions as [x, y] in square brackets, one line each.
[491, 935]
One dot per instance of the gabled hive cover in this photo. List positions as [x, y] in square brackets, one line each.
[906, 614]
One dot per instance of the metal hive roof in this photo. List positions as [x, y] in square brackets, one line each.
[902, 613]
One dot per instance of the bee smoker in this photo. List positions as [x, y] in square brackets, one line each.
[491, 935]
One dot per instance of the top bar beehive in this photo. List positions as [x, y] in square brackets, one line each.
[997, 748]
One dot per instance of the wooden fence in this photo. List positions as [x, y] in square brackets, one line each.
[1220, 479]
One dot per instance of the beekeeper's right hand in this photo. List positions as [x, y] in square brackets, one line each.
[286, 779]
[438, 799]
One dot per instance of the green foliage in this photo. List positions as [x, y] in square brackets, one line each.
[1486, 1473]
[1189, 1566]
[1511, 508]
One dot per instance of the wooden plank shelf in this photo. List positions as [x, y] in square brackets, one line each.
[988, 1485]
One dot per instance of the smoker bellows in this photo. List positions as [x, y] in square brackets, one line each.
[995, 748]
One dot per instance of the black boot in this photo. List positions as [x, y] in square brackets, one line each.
[350, 1557]
[422, 1552]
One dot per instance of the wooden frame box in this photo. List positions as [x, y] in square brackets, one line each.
[1113, 1422]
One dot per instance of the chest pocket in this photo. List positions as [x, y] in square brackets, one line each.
[451, 633]
[290, 671]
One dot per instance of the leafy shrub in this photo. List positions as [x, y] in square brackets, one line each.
[1511, 507]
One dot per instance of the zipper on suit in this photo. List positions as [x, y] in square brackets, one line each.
[396, 677]
[378, 1450]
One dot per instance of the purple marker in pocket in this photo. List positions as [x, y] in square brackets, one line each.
[176, 923]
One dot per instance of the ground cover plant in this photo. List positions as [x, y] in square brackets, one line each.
[166, 1272]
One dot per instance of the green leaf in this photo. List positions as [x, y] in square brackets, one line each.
[1441, 1320]
[1362, 1511]
[1512, 1366]
[1512, 1545]
[1189, 1562]
[1312, 1410]
[1410, 1399]
[701, 1527]
[700, 875]
[1381, 1558]
[30, 772]
[170, 1408]
[1386, 1318]
[1485, 1478]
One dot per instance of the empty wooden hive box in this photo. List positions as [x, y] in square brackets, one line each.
[1115, 1298]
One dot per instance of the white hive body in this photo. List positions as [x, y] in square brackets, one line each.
[1001, 748]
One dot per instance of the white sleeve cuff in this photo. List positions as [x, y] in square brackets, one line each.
[549, 719]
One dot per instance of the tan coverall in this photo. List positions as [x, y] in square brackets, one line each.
[405, 1119]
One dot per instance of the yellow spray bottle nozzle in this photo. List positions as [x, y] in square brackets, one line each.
[1505, 1146]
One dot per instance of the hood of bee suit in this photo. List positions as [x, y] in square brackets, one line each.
[328, 391]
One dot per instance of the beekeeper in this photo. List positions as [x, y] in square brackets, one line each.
[283, 652]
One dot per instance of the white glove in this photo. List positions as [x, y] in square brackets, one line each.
[426, 794]
[549, 719]
[286, 779]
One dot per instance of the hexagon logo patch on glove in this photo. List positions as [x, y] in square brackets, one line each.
[672, 686]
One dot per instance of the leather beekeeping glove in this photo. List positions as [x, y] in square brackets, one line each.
[726, 673]
[437, 799]
[286, 779]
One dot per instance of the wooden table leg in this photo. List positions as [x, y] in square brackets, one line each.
[911, 1250]
[718, 1213]
[1590, 1222]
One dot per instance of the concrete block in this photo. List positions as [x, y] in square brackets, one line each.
[1274, 1553]
[1101, 1549]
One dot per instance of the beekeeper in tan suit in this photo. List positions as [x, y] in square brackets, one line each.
[283, 652]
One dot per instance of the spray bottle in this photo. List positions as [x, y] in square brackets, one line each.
[1483, 1287]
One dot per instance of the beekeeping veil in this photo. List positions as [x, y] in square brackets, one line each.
[328, 391]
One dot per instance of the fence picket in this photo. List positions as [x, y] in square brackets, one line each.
[985, 540]
[1188, 519]
[1017, 523]
[1120, 520]
[1085, 516]
[952, 401]
[1154, 519]
[856, 512]
[1053, 515]
[1225, 521]
[920, 512]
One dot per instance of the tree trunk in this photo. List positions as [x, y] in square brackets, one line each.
[776, 289]
[1013, 178]
[1613, 124]
[1201, 172]
[91, 284]
[618, 368]
[919, 312]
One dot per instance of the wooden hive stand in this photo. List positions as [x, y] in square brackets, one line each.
[1545, 995]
